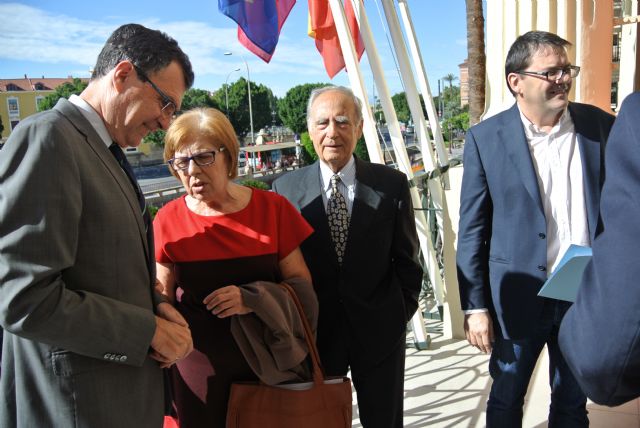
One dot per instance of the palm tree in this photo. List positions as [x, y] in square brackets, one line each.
[450, 78]
[477, 59]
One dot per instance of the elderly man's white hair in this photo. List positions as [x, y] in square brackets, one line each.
[346, 91]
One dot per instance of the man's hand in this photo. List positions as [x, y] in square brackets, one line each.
[478, 328]
[172, 338]
[226, 301]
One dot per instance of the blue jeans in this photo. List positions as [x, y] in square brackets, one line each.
[511, 366]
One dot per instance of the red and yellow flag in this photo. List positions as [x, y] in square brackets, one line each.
[323, 29]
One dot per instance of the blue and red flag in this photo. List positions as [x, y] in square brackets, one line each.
[259, 22]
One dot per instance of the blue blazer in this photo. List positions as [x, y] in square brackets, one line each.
[600, 334]
[502, 247]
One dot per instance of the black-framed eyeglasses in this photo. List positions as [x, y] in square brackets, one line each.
[201, 159]
[554, 74]
[169, 108]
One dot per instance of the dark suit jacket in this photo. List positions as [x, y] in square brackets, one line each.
[502, 247]
[75, 288]
[373, 295]
[600, 334]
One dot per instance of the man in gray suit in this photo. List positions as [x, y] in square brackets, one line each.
[363, 256]
[85, 333]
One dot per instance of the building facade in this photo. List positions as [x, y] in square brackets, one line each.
[22, 97]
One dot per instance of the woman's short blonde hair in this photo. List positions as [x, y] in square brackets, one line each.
[203, 124]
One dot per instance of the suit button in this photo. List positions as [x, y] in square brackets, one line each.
[542, 268]
[542, 235]
[106, 356]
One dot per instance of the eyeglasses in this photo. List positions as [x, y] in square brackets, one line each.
[169, 108]
[201, 159]
[554, 74]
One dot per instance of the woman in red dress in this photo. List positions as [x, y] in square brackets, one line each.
[216, 237]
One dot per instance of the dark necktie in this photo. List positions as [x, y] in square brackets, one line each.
[117, 153]
[338, 216]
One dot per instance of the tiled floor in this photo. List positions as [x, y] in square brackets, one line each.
[448, 385]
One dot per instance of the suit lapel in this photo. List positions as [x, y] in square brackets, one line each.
[590, 157]
[511, 134]
[309, 199]
[365, 205]
[95, 143]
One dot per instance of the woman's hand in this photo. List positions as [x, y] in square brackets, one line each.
[226, 301]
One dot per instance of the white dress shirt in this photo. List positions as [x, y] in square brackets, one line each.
[556, 159]
[93, 117]
[346, 186]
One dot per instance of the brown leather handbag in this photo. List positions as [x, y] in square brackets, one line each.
[322, 403]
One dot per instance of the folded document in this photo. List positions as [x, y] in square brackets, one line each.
[565, 280]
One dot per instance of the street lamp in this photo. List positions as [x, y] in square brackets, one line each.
[226, 89]
[250, 108]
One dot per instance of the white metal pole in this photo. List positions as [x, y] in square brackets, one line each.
[356, 80]
[421, 71]
[402, 158]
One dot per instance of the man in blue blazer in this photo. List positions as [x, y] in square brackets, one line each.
[530, 188]
[600, 334]
[368, 287]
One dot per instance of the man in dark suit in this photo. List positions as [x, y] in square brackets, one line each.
[85, 334]
[530, 188]
[599, 335]
[362, 256]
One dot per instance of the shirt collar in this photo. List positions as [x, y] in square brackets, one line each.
[92, 116]
[347, 174]
[532, 131]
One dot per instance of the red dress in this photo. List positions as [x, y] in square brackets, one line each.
[209, 252]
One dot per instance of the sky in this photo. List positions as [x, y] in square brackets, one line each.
[60, 38]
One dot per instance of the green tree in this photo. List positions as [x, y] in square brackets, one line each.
[63, 91]
[293, 107]
[156, 138]
[450, 78]
[401, 106]
[261, 99]
[308, 154]
[198, 98]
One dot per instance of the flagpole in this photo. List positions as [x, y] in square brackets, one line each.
[449, 295]
[357, 82]
[443, 157]
[399, 147]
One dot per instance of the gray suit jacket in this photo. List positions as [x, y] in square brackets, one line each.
[75, 288]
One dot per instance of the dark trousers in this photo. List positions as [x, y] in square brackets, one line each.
[511, 366]
[380, 389]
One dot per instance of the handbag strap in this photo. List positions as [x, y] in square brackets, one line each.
[318, 373]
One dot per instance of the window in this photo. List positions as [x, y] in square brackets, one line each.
[39, 100]
[14, 107]
[13, 87]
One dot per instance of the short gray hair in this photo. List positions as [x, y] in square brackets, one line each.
[343, 90]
